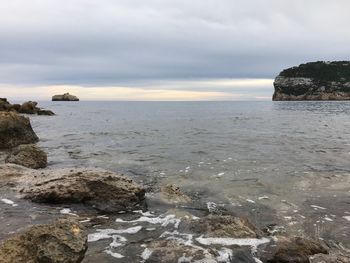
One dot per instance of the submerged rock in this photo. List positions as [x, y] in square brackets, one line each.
[314, 81]
[15, 130]
[101, 189]
[169, 251]
[221, 226]
[172, 194]
[28, 155]
[63, 241]
[65, 97]
[295, 249]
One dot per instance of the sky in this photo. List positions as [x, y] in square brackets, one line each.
[163, 49]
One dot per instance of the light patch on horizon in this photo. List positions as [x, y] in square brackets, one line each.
[221, 89]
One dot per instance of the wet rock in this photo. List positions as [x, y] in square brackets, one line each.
[11, 174]
[337, 257]
[172, 194]
[28, 155]
[295, 249]
[15, 130]
[65, 97]
[221, 226]
[45, 112]
[101, 189]
[29, 107]
[63, 241]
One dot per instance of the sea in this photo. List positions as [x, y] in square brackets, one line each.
[284, 165]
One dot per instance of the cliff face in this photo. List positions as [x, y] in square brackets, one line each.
[314, 81]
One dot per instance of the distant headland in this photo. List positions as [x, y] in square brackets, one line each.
[314, 81]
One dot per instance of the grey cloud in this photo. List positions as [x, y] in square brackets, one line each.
[114, 42]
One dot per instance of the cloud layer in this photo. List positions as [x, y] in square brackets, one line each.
[133, 43]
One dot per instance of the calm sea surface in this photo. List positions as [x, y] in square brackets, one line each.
[242, 139]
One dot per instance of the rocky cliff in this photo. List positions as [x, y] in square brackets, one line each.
[314, 81]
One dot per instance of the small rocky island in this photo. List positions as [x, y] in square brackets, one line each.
[65, 97]
[314, 81]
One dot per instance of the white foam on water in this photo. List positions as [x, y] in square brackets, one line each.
[225, 255]
[288, 217]
[85, 221]
[163, 221]
[103, 217]
[146, 254]
[252, 242]
[150, 228]
[67, 211]
[263, 197]
[257, 260]
[250, 201]
[118, 241]
[113, 254]
[8, 202]
[318, 207]
[143, 213]
[346, 218]
[221, 174]
[328, 219]
[108, 233]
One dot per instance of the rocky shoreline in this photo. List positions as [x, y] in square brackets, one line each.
[112, 217]
[314, 81]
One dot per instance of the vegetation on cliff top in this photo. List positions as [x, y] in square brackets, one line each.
[324, 71]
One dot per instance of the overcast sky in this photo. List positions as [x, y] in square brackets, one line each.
[163, 49]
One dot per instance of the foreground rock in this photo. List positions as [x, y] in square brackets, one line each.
[101, 189]
[15, 130]
[295, 249]
[29, 107]
[314, 81]
[64, 241]
[28, 155]
[65, 97]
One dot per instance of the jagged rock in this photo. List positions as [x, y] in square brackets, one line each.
[65, 97]
[63, 241]
[221, 226]
[314, 81]
[29, 107]
[295, 249]
[101, 189]
[15, 130]
[28, 155]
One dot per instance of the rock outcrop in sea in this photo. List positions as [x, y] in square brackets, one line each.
[65, 97]
[29, 107]
[63, 241]
[97, 188]
[15, 130]
[314, 81]
[28, 155]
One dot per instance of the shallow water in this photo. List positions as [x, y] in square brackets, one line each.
[276, 162]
